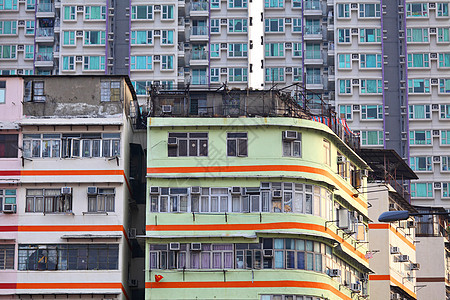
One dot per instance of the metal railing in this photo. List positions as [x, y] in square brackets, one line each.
[313, 29]
[199, 6]
[44, 56]
[312, 5]
[199, 30]
[45, 32]
[45, 7]
[199, 54]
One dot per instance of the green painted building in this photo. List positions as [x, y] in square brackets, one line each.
[253, 208]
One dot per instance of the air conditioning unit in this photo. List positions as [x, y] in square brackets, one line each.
[21, 23]
[156, 32]
[354, 30]
[435, 132]
[435, 106]
[236, 190]
[432, 5]
[268, 253]
[167, 108]
[335, 272]
[265, 186]
[355, 287]
[174, 246]
[20, 47]
[340, 159]
[172, 142]
[433, 55]
[392, 206]
[66, 191]
[132, 233]
[395, 250]
[157, 7]
[356, 108]
[80, 8]
[415, 266]
[288, 70]
[223, 21]
[9, 208]
[395, 296]
[132, 282]
[290, 135]
[156, 57]
[195, 190]
[355, 81]
[433, 30]
[154, 190]
[410, 224]
[223, 71]
[79, 58]
[223, 46]
[196, 246]
[403, 258]
[79, 33]
[92, 190]
[19, 71]
[276, 194]
[434, 81]
[436, 159]
[288, 45]
[437, 185]
[287, 20]
[355, 56]
[354, 5]
[345, 219]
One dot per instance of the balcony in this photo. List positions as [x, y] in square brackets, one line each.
[45, 10]
[314, 82]
[312, 8]
[331, 49]
[44, 59]
[199, 57]
[199, 8]
[313, 58]
[46, 34]
[199, 33]
[313, 33]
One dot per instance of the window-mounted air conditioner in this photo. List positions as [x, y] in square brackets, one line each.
[20, 47]
[436, 159]
[340, 159]
[435, 106]
[432, 5]
[79, 33]
[403, 258]
[21, 23]
[276, 194]
[195, 190]
[395, 250]
[410, 224]
[287, 20]
[223, 70]
[154, 190]
[437, 185]
[355, 287]
[196, 246]
[79, 58]
[157, 33]
[92, 190]
[172, 142]
[223, 45]
[156, 57]
[415, 266]
[9, 208]
[435, 132]
[80, 8]
[290, 135]
[223, 21]
[355, 56]
[288, 45]
[356, 107]
[236, 190]
[355, 81]
[433, 55]
[335, 272]
[66, 190]
[157, 8]
[268, 253]
[166, 108]
[434, 81]
[174, 246]
[433, 30]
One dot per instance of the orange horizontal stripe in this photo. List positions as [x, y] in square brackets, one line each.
[255, 168]
[261, 226]
[394, 281]
[388, 226]
[246, 284]
[69, 172]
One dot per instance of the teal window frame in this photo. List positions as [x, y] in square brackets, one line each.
[422, 190]
[343, 10]
[444, 86]
[345, 112]
[369, 10]
[444, 111]
[237, 50]
[417, 9]
[345, 86]
[29, 27]
[9, 27]
[371, 86]
[370, 35]
[94, 38]
[445, 137]
[214, 50]
[274, 25]
[418, 60]
[8, 5]
[344, 61]
[68, 63]
[237, 74]
[420, 137]
[8, 52]
[141, 37]
[70, 13]
[141, 62]
[68, 38]
[419, 86]
[142, 12]
[167, 37]
[167, 12]
[371, 112]
[167, 62]
[238, 3]
[443, 35]
[89, 63]
[372, 138]
[234, 28]
[344, 36]
[442, 9]
[274, 49]
[29, 51]
[214, 74]
[421, 163]
[94, 12]
[297, 49]
[273, 3]
[417, 35]
[444, 60]
[419, 112]
[274, 74]
[370, 61]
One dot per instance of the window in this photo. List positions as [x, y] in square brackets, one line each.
[345, 61]
[7, 257]
[48, 201]
[199, 76]
[371, 86]
[445, 137]
[237, 50]
[345, 112]
[2, 92]
[8, 5]
[215, 3]
[237, 25]
[417, 9]
[34, 91]
[442, 9]
[141, 37]
[141, 87]
[68, 257]
[141, 63]
[215, 25]
[343, 36]
[419, 112]
[94, 63]
[296, 25]
[292, 146]
[167, 12]
[237, 144]
[9, 28]
[417, 35]
[29, 27]
[369, 10]
[372, 137]
[443, 35]
[445, 189]
[423, 190]
[188, 144]
[274, 25]
[29, 53]
[418, 86]
[418, 60]
[237, 3]
[313, 51]
[273, 3]
[343, 10]
[110, 91]
[313, 27]
[421, 163]
[371, 112]
[214, 50]
[445, 165]
[198, 105]
[370, 61]
[326, 152]
[215, 74]
[167, 37]
[345, 86]
[7, 196]
[167, 62]
[70, 13]
[31, 4]
[8, 52]
[297, 74]
[313, 76]
[274, 49]
[369, 35]
[142, 12]
[103, 201]
[420, 137]
[296, 3]
[297, 49]
[95, 12]
[237, 74]
[445, 111]
[68, 38]
[444, 86]
[68, 63]
[444, 60]
[94, 38]
[274, 74]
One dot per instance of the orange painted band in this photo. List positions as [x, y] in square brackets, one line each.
[246, 284]
[394, 281]
[257, 168]
[262, 226]
[388, 226]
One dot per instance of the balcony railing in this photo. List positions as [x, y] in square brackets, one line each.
[313, 55]
[45, 32]
[199, 54]
[312, 5]
[199, 6]
[430, 229]
[45, 7]
[199, 30]
[44, 56]
[313, 79]
[313, 30]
